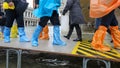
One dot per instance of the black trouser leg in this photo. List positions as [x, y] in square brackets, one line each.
[78, 30]
[70, 31]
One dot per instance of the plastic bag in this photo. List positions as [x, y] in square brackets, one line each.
[64, 23]
[6, 6]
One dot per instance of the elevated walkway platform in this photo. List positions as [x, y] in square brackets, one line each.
[78, 49]
[44, 45]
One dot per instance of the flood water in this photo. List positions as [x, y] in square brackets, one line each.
[32, 59]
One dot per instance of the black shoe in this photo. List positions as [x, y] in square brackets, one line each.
[67, 37]
[77, 40]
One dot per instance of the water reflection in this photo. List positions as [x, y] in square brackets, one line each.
[53, 62]
[45, 60]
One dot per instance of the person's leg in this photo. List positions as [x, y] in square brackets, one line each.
[21, 28]
[98, 38]
[97, 23]
[45, 33]
[56, 29]
[41, 35]
[10, 16]
[1, 34]
[2, 29]
[79, 33]
[38, 29]
[71, 27]
[115, 33]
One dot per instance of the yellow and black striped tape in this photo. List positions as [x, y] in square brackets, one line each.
[84, 48]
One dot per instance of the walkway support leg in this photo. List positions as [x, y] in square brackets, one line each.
[85, 62]
[19, 52]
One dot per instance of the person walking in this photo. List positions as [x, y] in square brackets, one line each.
[108, 20]
[48, 10]
[11, 14]
[75, 18]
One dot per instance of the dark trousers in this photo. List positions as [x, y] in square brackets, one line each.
[97, 24]
[78, 30]
[54, 19]
[11, 15]
[3, 21]
[109, 20]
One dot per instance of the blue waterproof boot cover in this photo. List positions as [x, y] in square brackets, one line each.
[7, 35]
[36, 35]
[22, 35]
[56, 36]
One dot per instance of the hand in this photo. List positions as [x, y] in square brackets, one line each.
[11, 4]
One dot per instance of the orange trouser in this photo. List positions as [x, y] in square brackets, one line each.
[45, 33]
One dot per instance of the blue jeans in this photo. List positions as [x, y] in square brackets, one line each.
[97, 22]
